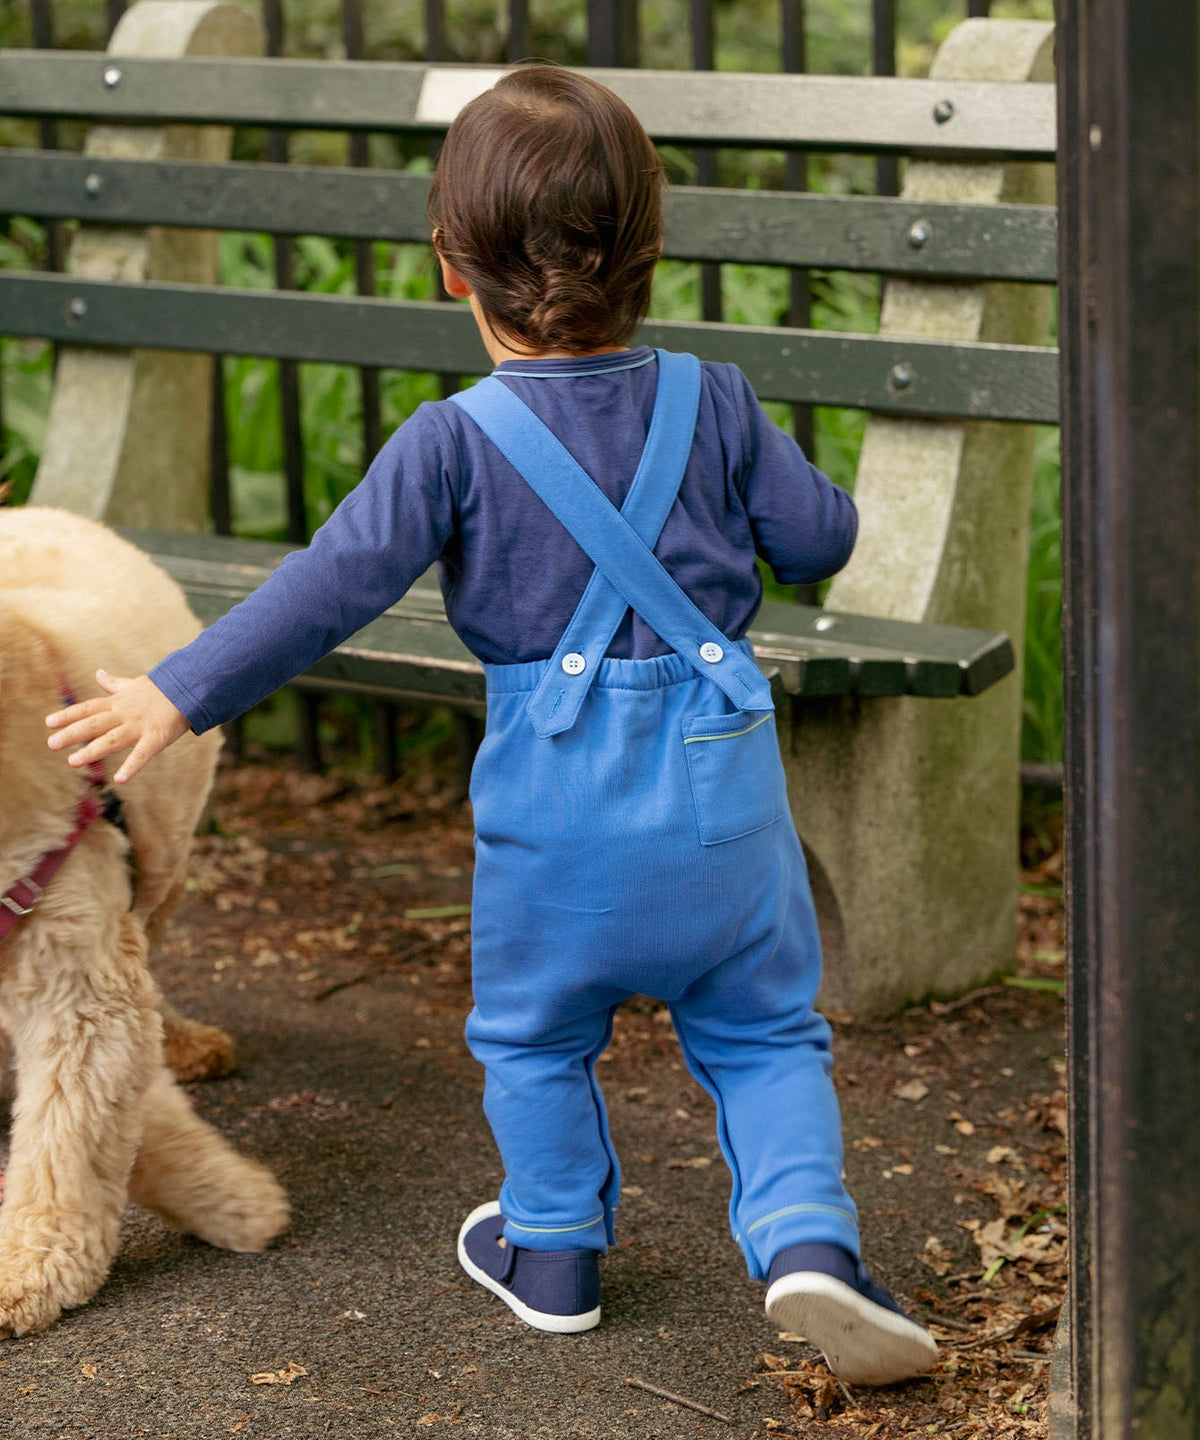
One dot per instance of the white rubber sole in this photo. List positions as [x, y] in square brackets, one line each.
[536, 1319]
[863, 1343]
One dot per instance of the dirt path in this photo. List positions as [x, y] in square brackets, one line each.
[327, 929]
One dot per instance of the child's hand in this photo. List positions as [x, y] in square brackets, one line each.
[134, 715]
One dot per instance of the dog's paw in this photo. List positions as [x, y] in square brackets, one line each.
[36, 1288]
[196, 1052]
[248, 1213]
[23, 1314]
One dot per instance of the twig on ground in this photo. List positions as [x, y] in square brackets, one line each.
[1035, 1320]
[326, 991]
[678, 1399]
[946, 1007]
[943, 1323]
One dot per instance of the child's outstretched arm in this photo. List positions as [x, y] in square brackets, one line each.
[133, 715]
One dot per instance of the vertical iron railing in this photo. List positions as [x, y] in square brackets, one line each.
[1129, 109]
[284, 250]
[883, 62]
[612, 33]
[517, 43]
[42, 19]
[704, 58]
[795, 177]
[383, 712]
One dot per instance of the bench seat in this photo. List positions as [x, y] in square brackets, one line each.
[411, 651]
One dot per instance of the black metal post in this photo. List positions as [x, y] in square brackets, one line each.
[613, 33]
[113, 10]
[1129, 82]
[979, 9]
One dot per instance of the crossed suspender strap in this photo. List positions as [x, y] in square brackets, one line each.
[618, 542]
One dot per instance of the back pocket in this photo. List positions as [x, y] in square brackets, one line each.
[736, 774]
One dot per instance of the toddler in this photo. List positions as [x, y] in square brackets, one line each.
[595, 509]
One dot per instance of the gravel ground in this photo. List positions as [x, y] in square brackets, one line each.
[327, 931]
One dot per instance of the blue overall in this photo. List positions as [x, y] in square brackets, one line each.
[633, 836]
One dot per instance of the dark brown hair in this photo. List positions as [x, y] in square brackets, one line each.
[548, 203]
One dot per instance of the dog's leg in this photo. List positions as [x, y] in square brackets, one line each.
[193, 1050]
[87, 1041]
[196, 1181]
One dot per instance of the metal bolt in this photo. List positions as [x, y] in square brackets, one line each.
[943, 111]
[93, 184]
[78, 308]
[826, 622]
[918, 234]
[112, 77]
[901, 377]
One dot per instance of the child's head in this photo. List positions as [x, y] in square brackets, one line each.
[548, 203]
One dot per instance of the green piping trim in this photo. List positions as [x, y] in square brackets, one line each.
[798, 1210]
[733, 734]
[556, 1229]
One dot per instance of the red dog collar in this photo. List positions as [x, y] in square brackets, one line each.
[24, 894]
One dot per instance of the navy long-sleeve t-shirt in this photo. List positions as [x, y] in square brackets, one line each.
[439, 491]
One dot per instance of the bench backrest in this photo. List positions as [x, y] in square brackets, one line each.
[979, 120]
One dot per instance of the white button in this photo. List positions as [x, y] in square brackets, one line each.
[712, 653]
[574, 663]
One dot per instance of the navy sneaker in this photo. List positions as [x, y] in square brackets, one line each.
[555, 1290]
[821, 1292]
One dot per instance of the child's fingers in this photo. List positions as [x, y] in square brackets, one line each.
[110, 743]
[145, 750]
[112, 683]
[78, 728]
[69, 714]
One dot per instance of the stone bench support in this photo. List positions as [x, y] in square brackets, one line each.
[127, 440]
[909, 808]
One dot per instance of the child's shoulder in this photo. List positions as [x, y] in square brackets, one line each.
[729, 379]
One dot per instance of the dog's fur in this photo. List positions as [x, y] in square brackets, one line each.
[97, 1116]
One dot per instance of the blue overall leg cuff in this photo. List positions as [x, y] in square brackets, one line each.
[594, 1233]
[798, 1224]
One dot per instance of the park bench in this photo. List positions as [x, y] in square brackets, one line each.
[900, 701]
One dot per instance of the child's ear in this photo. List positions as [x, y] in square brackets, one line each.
[456, 287]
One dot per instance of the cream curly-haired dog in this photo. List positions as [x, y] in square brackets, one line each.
[97, 1116]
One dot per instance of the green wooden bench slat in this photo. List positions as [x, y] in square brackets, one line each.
[864, 232]
[889, 375]
[1002, 242]
[412, 648]
[816, 112]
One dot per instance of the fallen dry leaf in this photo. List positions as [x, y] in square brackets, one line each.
[913, 1090]
[287, 1376]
